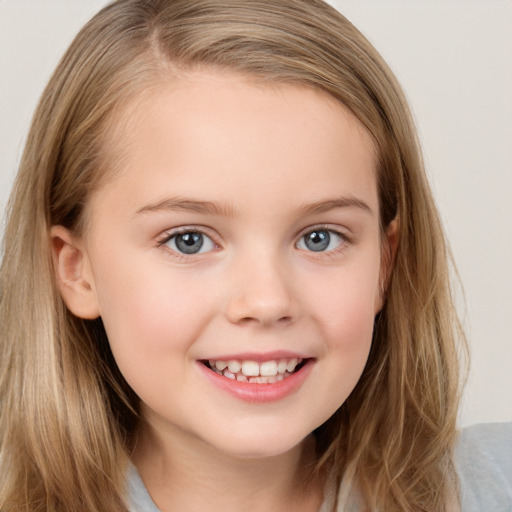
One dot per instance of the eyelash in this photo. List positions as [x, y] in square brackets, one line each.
[344, 241]
[180, 256]
[168, 236]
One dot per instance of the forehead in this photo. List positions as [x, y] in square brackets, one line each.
[186, 94]
[216, 127]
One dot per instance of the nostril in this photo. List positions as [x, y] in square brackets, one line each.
[261, 307]
[265, 320]
[248, 320]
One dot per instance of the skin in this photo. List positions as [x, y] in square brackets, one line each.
[276, 163]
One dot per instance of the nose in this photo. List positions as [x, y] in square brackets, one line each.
[261, 293]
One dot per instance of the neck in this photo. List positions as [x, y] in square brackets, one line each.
[183, 473]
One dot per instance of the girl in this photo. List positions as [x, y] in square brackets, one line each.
[224, 281]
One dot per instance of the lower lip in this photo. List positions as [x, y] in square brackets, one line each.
[259, 393]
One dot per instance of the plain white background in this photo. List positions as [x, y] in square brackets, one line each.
[454, 60]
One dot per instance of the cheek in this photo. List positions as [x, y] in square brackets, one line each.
[346, 304]
[345, 313]
[149, 315]
[346, 323]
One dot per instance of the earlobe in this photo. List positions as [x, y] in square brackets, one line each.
[388, 253]
[391, 241]
[74, 278]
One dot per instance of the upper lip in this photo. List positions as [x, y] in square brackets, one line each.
[257, 356]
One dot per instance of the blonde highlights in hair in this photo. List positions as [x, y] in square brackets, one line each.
[67, 416]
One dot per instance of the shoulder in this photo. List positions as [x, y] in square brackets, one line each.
[483, 460]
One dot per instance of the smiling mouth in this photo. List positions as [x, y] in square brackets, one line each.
[266, 372]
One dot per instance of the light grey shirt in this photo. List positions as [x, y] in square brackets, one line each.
[483, 460]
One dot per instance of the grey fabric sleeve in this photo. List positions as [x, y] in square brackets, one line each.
[483, 460]
[139, 499]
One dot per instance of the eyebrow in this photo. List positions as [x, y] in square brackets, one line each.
[332, 204]
[211, 208]
[176, 204]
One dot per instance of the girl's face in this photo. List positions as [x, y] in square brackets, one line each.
[242, 229]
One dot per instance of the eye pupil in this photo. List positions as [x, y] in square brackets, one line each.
[189, 243]
[317, 240]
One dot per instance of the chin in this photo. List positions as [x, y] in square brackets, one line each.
[260, 447]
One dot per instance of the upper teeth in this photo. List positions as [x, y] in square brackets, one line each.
[254, 369]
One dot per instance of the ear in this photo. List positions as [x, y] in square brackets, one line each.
[74, 275]
[388, 253]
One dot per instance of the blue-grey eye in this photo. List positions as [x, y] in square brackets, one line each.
[320, 240]
[190, 242]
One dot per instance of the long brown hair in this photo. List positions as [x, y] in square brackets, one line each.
[67, 417]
